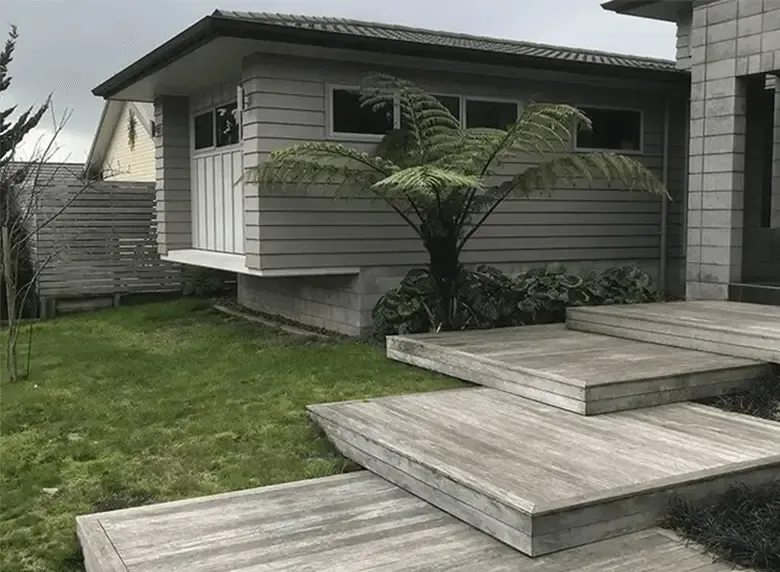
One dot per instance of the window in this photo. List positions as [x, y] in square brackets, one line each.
[349, 117]
[490, 114]
[452, 103]
[218, 127]
[227, 124]
[204, 130]
[613, 130]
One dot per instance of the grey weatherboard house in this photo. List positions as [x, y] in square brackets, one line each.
[236, 85]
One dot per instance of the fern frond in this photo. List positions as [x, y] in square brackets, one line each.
[426, 184]
[423, 116]
[574, 167]
[321, 163]
[541, 129]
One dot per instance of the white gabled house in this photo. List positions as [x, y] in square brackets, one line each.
[123, 146]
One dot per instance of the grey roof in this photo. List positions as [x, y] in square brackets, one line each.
[388, 39]
[52, 173]
[377, 30]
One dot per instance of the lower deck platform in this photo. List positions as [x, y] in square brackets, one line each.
[347, 523]
[542, 479]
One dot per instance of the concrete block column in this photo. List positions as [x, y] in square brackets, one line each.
[717, 158]
[775, 215]
[172, 159]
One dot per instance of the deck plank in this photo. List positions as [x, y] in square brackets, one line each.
[555, 477]
[581, 372]
[348, 523]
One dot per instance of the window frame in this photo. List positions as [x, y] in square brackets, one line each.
[466, 98]
[212, 109]
[358, 137]
[641, 151]
[194, 116]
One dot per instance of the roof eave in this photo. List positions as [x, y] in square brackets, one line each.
[664, 10]
[95, 151]
[200, 33]
[214, 26]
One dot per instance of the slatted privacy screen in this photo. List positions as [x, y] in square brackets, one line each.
[104, 242]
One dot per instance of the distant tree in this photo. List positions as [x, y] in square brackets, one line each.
[440, 178]
[22, 184]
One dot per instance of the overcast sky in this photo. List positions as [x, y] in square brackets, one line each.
[67, 47]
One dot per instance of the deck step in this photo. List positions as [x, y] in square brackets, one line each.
[347, 523]
[730, 328]
[542, 479]
[577, 371]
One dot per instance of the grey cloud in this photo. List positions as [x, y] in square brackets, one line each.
[69, 46]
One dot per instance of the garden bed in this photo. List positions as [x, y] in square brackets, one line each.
[741, 526]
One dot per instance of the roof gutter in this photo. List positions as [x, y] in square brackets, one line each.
[623, 6]
[215, 26]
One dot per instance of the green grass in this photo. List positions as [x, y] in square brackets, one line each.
[166, 401]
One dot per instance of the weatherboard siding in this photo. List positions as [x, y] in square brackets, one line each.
[684, 41]
[287, 103]
[173, 185]
[126, 162]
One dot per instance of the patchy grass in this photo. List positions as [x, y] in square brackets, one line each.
[166, 401]
[742, 525]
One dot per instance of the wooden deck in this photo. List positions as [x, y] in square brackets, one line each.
[348, 523]
[730, 328]
[577, 371]
[542, 479]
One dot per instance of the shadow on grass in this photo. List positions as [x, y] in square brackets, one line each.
[324, 460]
[115, 498]
[73, 560]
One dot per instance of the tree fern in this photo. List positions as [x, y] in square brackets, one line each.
[443, 179]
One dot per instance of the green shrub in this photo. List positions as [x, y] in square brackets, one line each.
[487, 298]
[546, 292]
[623, 285]
[407, 309]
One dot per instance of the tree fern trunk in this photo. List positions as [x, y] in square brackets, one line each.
[444, 267]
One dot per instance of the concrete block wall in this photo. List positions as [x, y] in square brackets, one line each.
[344, 304]
[684, 42]
[330, 302]
[172, 168]
[728, 39]
[775, 216]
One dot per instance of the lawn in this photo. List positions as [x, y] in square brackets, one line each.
[166, 401]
